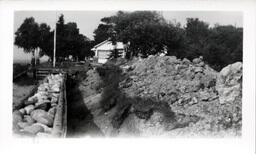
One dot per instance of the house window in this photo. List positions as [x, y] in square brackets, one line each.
[103, 54]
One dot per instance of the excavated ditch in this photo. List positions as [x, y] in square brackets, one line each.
[79, 118]
[98, 107]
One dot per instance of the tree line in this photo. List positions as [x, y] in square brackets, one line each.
[69, 41]
[149, 33]
[146, 32]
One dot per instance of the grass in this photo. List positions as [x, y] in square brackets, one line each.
[19, 67]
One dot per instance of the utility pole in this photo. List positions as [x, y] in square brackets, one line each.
[54, 49]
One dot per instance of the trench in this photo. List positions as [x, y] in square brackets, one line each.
[116, 107]
[79, 118]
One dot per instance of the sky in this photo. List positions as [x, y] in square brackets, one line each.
[87, 21]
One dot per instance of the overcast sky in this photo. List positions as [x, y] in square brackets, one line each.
[87, 21]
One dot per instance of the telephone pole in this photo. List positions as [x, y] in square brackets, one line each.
[54, 48]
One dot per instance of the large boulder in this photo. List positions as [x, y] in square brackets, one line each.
[229, 83]
[33, 129]
[42, 117]
[23, 124]
[29, 108]
[46, 128]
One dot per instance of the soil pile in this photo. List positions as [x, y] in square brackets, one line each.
[171, 80]
[164, 96]
[190, 90]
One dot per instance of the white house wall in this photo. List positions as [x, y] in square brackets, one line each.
[103, 50]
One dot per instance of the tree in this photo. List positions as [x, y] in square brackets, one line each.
[220, 45]
[46, 40]
[224, 46]
[102, 33]
[27, 36]
[142, 29]
[197, 37]
[69, 41]
[173, 37]
[114, 53]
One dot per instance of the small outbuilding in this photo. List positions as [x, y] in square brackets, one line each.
[103, 50]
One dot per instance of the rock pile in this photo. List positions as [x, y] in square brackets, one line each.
[201, 98]
[36, 118]
[172, 80]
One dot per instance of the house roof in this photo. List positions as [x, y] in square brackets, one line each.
[107, 45]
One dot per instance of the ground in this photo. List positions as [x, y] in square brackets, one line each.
[21, 88]
[165, 97]
[103, 107]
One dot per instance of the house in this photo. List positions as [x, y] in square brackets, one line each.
[104, 49]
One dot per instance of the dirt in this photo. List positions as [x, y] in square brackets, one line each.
[157, 96]
[80, 120]
[21, 88]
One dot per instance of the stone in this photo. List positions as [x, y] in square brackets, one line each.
[196, 60]
[42, 88]
[55, 95]
[52, 111]
[54, 100]
[196, 85]
[193, 101]
[42, 116]
[229, 83]
[201, 64]
[204, 96]
[29, 108]
[186, 98]
[173, 97]
[33, 129]
[22, 125]
[126, 67]
[31, 100]
[28, 119]
[16, 117]
[199, 70]
[56, 88]
[46, 128]
[22, 111]
[186, 61]
[54, 104]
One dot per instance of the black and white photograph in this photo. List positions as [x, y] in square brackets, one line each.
[119, 76]
[127, 73]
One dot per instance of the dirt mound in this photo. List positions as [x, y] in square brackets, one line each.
[189, 87]
[161, 96]
[172, 80]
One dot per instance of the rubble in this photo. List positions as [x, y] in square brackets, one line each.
[37, 116]
[168, 78]
[189, 88]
